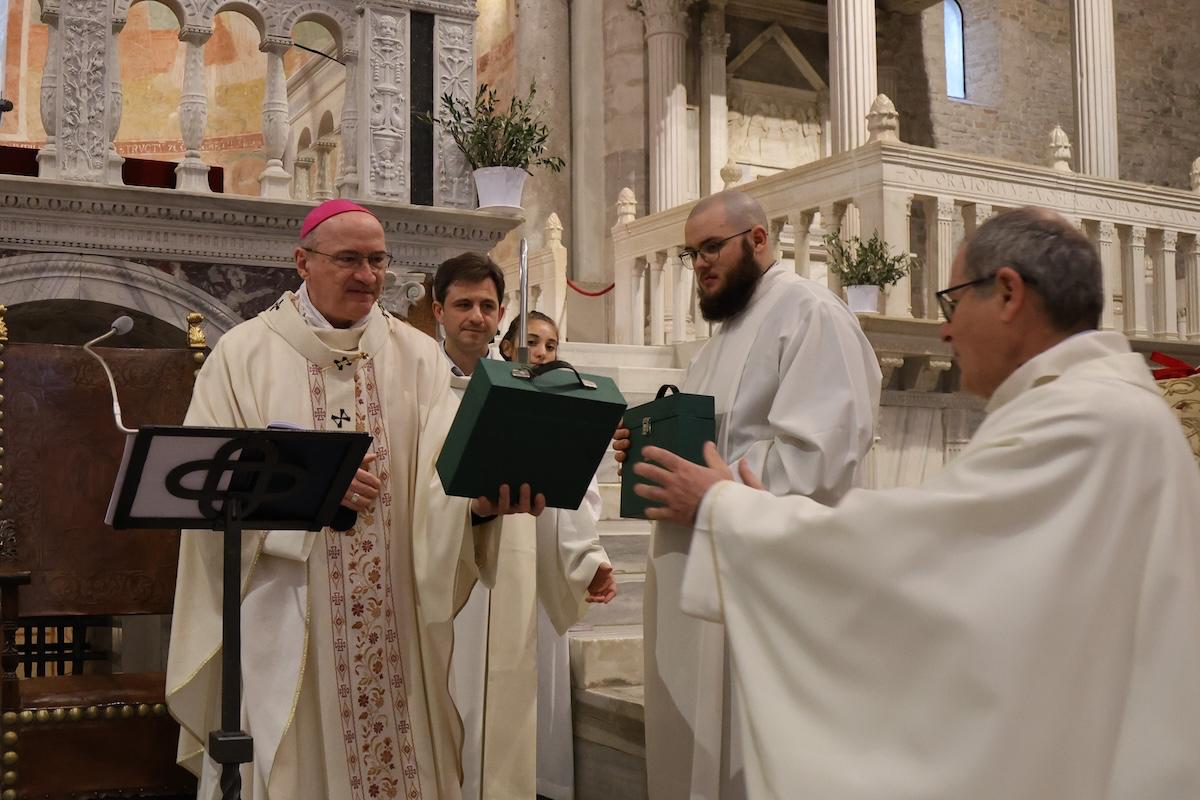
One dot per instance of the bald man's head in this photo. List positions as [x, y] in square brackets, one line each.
[738, 209]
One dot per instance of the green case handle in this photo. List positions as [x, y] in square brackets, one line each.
[662, 390]
[529, 373]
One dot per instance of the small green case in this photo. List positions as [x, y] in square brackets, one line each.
[678, 422]
[545, 425]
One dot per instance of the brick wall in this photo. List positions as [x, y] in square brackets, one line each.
[1019, 67]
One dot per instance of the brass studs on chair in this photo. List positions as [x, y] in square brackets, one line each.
[160, 710]
[9, 718]
[10, 737]
[42, 715]
[92, 712]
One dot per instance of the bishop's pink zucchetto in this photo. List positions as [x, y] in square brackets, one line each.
[330, 208]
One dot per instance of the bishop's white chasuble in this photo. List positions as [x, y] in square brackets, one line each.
[347, 637]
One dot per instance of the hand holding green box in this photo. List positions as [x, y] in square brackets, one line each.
[678, 422]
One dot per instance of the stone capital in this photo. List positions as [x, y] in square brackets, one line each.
[665, 16]
[275, 45]
[194, 34]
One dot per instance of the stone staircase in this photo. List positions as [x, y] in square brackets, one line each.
[606, 647]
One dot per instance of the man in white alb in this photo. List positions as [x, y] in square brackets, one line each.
[797, 389]
[1025, 624]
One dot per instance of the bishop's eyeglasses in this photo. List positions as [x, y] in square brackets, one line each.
[709, 251]
[349, 259]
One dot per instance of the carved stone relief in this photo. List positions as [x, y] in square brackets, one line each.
[388, 67]
[454, 75]
[773, 132]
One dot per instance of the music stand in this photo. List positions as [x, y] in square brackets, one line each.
[228, 479]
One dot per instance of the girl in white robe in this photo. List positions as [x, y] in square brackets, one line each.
[573, 570]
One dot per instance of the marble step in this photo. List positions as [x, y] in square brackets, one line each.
[606, 656]
[627, 542]
[610, 743]
[626, 607]
[629, 355]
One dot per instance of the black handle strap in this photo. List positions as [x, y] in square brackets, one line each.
[550, 366]
[662, 391]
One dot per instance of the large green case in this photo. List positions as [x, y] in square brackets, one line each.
[680, 423]
[544, 425]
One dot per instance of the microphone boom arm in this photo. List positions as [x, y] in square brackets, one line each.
[113, 331]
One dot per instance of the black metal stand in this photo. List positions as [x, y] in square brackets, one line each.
[231, 746]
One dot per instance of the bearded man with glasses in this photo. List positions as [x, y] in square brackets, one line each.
[796, 385]
[345, 672]
[1025, 624]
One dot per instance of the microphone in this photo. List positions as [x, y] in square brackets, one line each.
[120, 326]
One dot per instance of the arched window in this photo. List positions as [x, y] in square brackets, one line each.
[956, 79]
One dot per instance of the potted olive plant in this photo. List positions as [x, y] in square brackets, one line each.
[500, 144]
[865, 268]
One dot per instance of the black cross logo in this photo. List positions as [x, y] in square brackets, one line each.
[342, 362]
[340, 417]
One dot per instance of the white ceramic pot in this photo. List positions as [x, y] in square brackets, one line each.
[500, 186]
[863, 299]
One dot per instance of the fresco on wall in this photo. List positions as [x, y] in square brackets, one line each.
[152, 65]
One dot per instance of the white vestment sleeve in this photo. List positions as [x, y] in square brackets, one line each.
[821, 421]
[917, 643]
[568, 554]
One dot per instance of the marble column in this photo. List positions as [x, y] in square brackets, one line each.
[666, 46]
[274, 181]
[48, 155]
[83, 114]
[939, 248]
[657, 262]
[1136, 305]
[114, 102]
[1191, 267]
[1095, 86]
[302, 169]
[714, 107]
[1110, 263]
[852, 71]
[323, 190]
[191, 174]
[453, 74]
[347, 181]
[1166, 303]
[587, 142]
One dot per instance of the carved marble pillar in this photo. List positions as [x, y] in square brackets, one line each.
[830, 221]
[801, 222]
[347, 181]
[666, 45]
[48, 156]
[1136, 305]
[302, 175]
[324, 183]
[974, 215]
[657, 262]
[714, 108]
[453, 74]
[82, 109]
[682, 295]
[191, 174]
[384, 74]
[637, 324]
[1110, 265]
[852, 70]
[274, 181]
[1191, 266]
[1095, 86]
[1166, 304]
[939, 248]
[114, 101]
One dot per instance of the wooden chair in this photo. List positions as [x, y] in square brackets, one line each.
[71, 727]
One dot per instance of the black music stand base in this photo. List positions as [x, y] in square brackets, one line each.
[231, 747]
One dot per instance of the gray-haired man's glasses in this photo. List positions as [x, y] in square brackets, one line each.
[948, 304]
[709, 251]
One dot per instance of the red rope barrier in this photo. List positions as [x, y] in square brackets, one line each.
[586, 293]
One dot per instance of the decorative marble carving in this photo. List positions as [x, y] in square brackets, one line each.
[1196, 176]
[454, 74]
[883, 121]
[113, 108]
[48, 155]
[388, 67]
[192, 173]
[274, 181]
[626, 206]
[404, 292]
[82, 135]
[731, 174]
[777, 132]
[1058, 152]
[348, 177]
[324, 183]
